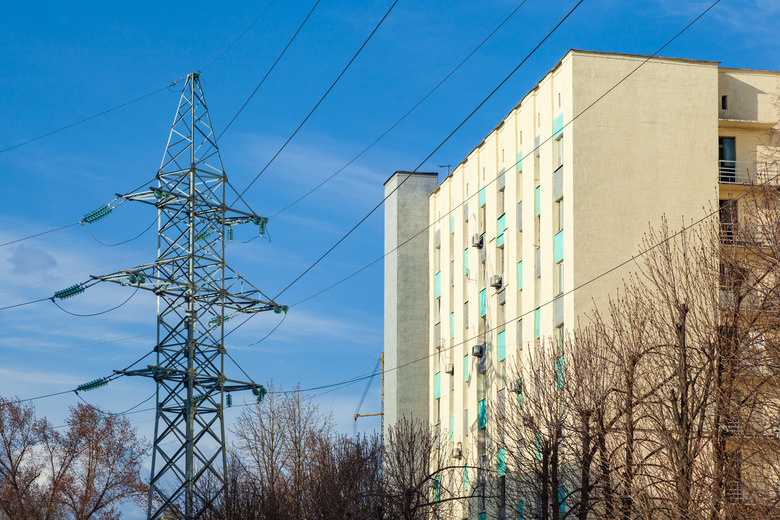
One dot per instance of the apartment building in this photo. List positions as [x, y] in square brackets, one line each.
[523, 234]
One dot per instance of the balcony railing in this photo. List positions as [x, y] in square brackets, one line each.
[748, 173]
[756, 235]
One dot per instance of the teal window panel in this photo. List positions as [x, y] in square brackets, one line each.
[519, 161]
[520, 510]
[466, 477]
[437, 488]
[502, 345]
[452, 324]
[558, 246]
[562, 500]
[537, 321]
[452, 429]
[466, 368]
[483, 515]
[466, 262]
[558, 126]
[537, 200]
[538, 446]
[559, 372]
[437, 385]
[500, 231]
[520, 275]
[482, 197]
[482, 413]
[452, 224]
[437, 285]
[482, 302]
[501, 462]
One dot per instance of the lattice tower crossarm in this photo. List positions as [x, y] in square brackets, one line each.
[194, 289]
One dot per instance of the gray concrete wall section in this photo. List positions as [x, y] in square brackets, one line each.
[407, 295]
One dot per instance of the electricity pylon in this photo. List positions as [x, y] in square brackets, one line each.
[196, 294]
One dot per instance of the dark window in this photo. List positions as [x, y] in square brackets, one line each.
[724, 102]
[727, 159]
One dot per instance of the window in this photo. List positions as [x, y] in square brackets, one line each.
[558, 215]
[466, 477]
[452, 273]
[502, 403]
[466, 262]
[537, 322]
[452, 325]
[520, 275]
[724, 102]
[727, 159]
[452, 428]
[466, 422]
[501, 462]
[519, 390]
[482, 302]
[437, 385]
[437, 285]
[559, 152]
[502, 345]
[501, 226]
[520, 333]
[466, 315]
[482, 414]
[466, 369]
[558, 279]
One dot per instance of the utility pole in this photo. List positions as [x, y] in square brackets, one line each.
[196, 294]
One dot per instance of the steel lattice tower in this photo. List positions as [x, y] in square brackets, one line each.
[196, 294]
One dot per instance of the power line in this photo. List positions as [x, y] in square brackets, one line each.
[39, 234]
[75, 272]
[322, 98]
[74, 348]
[149, 94]
[96, 313]
[295, 35]
[24, 303]
[221, 54]
[139, 235]
[334, 246]
[90, 118]
[605, 273]
[492, 181]
[420, 102]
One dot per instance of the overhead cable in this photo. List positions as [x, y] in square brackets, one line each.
[354, 57]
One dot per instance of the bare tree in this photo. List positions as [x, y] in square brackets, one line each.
[420, 479]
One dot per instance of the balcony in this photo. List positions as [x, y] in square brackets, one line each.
[748, 173]
[750, 235]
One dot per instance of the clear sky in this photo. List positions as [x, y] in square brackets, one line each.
[62, 64]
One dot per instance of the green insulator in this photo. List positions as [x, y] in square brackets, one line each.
[97, 383]
[70, 291]
[141, 278]
[229, 400]
[259, 393]
[132, 278]
[230, 234]
[98, 214]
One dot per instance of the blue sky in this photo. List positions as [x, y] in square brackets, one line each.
[61, 65]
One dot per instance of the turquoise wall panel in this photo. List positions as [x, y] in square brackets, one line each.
[558, 246]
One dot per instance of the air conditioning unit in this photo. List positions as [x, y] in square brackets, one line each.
[450, 369]
[496, 281]
[478, 350]
[476, 241]
[457, 452]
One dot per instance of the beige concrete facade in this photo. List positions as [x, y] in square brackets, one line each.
[561, 192]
